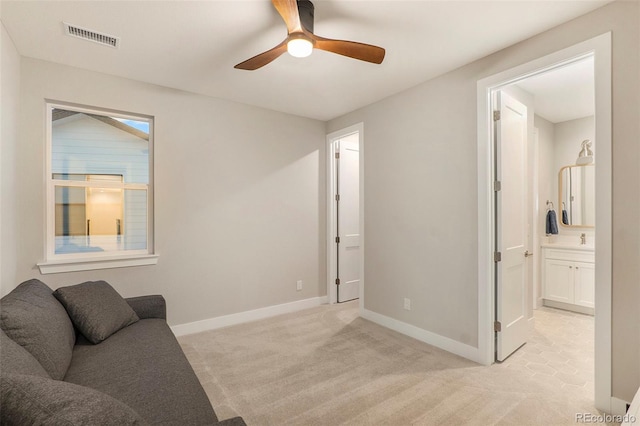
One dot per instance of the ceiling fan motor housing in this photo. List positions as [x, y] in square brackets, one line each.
[306, 10]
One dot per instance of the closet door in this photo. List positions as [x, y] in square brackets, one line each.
[349, 219]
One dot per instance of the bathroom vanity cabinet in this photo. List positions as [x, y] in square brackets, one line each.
[569, 279]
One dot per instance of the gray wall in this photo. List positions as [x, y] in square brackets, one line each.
[547, 171]
[421, 195]
[239, 196]
[10, 95]
[547, 184]
[240, 192]
[559, 145]
[568, 139]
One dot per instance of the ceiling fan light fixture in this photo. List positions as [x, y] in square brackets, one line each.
[301, 40]
[299, 47]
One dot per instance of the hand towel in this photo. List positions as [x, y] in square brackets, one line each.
[565, 217]
[552, 223]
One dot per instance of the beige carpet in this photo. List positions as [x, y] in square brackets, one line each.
[327, 366]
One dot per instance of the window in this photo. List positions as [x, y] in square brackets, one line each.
[99, 190]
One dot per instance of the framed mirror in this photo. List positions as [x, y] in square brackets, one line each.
[577, 204]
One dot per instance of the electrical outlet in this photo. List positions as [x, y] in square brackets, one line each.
[299, 285]
[407, 304]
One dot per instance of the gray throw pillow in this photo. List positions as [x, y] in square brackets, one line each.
[35, 320]
[31, 400]
[96, 309]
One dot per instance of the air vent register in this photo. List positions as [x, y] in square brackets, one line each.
[94, 36]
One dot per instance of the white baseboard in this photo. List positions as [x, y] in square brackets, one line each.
[425, 336]
[569, 307]
[618, 406]
[633, 415]
[246, 316]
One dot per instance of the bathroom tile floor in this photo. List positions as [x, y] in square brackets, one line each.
[560, 350]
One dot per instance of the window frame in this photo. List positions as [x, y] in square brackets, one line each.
[67, 262]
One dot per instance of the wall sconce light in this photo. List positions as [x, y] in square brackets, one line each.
[586, 154]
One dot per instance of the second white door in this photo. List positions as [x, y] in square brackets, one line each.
[511, 225]
[348, 215]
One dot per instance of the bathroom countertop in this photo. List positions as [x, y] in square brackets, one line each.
[569, 246]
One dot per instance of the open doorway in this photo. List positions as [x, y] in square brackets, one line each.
[564, 123]
[545, 226]
[544, 136]
[345, 224]
[490, 327]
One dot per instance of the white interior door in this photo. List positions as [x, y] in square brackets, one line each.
[348, 214]
[511, 226]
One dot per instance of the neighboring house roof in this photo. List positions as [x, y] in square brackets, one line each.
[59, 114]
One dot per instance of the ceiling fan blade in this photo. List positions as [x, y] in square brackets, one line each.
[352, 49]
[263, 58]
[288, 9]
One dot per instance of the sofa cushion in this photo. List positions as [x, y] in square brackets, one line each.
[144, 366]
[96, 309]
[16, 359]
[34, 319]
[43, 401]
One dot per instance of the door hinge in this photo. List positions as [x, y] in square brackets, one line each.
[497, 185]
[497, 257]
[337, 155]
[338, 240]
[337, 197]
[337, 281]
[497, 326]
[496, 115]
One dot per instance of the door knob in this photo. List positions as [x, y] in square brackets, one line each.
[527, 254]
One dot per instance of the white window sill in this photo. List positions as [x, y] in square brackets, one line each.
[58, 266]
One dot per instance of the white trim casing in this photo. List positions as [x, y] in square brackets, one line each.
[246, 316]
[57, 263]
[600, 48]
[536, 301]
[331, 222]
[56, 267]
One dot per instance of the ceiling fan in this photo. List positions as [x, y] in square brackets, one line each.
[300, 40]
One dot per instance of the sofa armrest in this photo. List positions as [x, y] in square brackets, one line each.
[153, 306]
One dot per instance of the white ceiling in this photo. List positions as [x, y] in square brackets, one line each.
[193, 46]
[563, 94]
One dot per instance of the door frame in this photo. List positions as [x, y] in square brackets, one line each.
[534, 211]
[600, 48]
[332, 252]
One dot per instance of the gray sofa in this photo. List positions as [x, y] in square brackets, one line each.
[51, 373]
